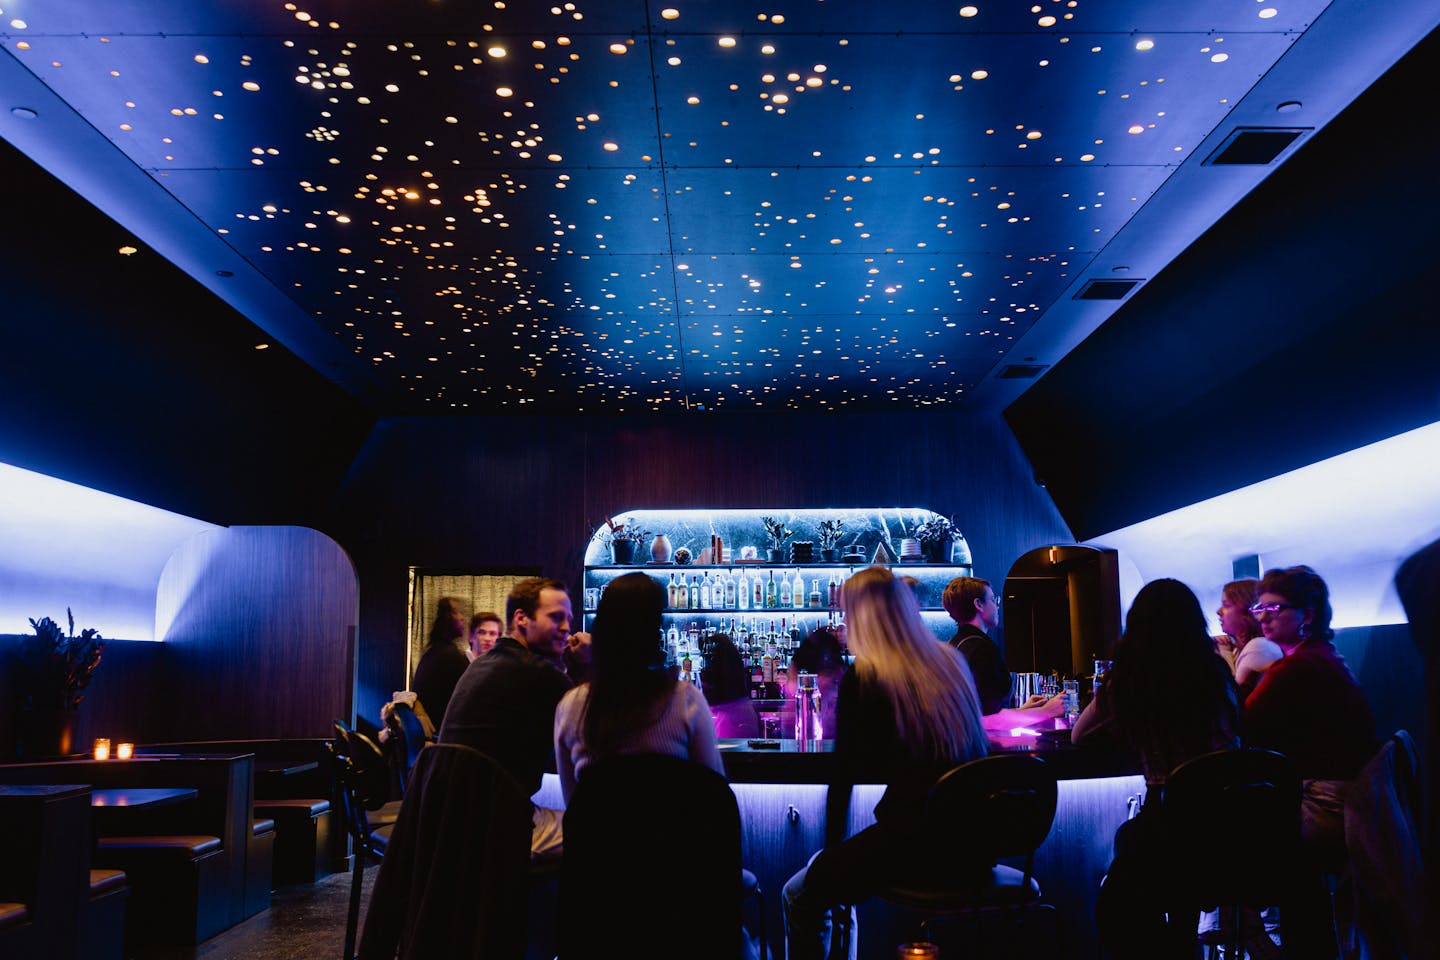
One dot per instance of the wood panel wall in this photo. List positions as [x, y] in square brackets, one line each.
[491, 492]
[257, 624]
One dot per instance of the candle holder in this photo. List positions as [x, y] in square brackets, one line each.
[922, 950]
[124, 751]
[102, 748]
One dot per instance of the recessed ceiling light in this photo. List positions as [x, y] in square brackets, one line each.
[23, 113]
[262, 346]
[1289, 106]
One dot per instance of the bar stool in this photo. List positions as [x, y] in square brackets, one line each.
[996, 807]
[624, 847]
[1218, 863]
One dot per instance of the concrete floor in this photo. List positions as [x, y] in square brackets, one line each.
[304, 922]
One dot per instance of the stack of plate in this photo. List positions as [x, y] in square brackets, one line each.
[910, 551]
[802, 551]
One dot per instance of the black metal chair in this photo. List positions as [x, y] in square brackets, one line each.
[998, 807]
[1219, 864]
[623, 847]
[364, 779]
[406, 740]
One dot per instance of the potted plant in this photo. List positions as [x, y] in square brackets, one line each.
[776, 533]
[935, 536]
[623, 539]
[51, 669]
[830, 532]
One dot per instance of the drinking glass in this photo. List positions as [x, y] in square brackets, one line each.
[1072, 701]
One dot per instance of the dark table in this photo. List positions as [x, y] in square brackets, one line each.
[139, 798]
[285, 768]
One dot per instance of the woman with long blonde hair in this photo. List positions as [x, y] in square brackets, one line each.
[907, 712]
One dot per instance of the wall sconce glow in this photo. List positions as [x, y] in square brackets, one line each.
[71, 546]
[1353, 517]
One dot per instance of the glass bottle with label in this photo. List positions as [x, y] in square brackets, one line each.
[784, 589]
[772, 593]
[742, 592]
[815, 603]
[797, 591]
[693, 601]
[729, 593]
[705, 586]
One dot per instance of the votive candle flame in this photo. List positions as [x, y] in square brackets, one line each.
[102, 749]
[125, 751]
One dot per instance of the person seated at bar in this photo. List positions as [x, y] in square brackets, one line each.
[444, 660]
[1309, 707]
[820, 653]
[1243, 644]
[972, 604]
[907, 713]
[631, 703]
[1169, 698]
[485, 628]
[726, 685]
[504, 705]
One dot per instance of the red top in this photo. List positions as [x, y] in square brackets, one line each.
[1309, 707]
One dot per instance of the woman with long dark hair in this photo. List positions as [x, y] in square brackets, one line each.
[1169, 698]
[907, 712]
[631, 703]
[443, 662]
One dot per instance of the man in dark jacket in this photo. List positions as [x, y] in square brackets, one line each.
[972, 604]
[504, 705]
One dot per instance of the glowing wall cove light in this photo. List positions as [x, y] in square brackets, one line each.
[1353, 517]
[70, 546]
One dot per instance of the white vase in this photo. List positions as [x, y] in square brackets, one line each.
[660, 549]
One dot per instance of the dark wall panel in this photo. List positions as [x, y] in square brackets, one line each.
[124, 374]
[527, 492]
[120, 703]
[257, 624]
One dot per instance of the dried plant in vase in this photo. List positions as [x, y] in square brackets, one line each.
[776, 533]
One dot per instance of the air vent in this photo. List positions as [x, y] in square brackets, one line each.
[1107, 289]
[1021, 371]
[1255, 146]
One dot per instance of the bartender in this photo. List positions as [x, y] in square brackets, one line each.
[972, 604]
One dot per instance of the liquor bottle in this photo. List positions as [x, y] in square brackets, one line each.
[784, 589]
[834, 591]
[798, 591]
[705, 595]
[767, 666]
[685, 666]
[815, 603]
[742, 592]
[693, 601]
[730, 600]
[757, 596]
[771, 594]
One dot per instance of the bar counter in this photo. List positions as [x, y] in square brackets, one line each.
[781, 796]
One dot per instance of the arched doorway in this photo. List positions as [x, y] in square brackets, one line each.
[1061, 609]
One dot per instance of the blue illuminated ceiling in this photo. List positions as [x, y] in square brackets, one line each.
[617, 206]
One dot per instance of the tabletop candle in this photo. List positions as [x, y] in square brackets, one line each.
[102, 749]
[918, 951]
[125, 751]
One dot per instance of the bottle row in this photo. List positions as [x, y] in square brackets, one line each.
[765, 646]
[740, 590]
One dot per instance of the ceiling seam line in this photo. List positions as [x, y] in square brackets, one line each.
[665, 197]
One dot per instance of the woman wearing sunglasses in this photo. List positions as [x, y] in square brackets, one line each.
[1309, 707]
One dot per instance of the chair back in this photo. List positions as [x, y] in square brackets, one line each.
[1011, 794]
[407, 738]
[364, 780]
[1204, 801]
[652, 861]
[454, 878]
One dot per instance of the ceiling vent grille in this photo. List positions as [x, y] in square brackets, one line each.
[1022, 371]
[1254, 146]
[1107, 289]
